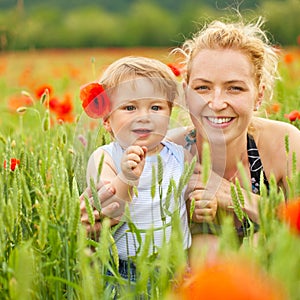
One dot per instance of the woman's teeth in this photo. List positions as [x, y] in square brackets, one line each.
[219, 120]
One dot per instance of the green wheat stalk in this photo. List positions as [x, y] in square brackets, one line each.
[245, 180]
[89, 210]
[8, 219]
[168, 196]
[43, 230]
[160, 171]
[100, 166]
[75, 216]
[95, 195]
[142, 261]
[206, 162]
[239, 192]
[192, 209]
[107, 242]
[153, 182]
[132, 227]
[236, 204]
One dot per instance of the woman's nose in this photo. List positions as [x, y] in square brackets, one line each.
[217, 101]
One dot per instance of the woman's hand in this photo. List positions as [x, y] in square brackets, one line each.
[206, 203]
[110, 208]
[205, 208]
[223, 195]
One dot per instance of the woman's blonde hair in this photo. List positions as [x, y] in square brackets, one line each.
[129, 68]
[249, 38]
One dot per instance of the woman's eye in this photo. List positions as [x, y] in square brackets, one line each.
[155, 107]
[129, 107]
[236, 88]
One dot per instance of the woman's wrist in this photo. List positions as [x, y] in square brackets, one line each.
[251, 206]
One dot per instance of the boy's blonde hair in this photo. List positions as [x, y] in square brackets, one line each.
[250, 39]
[129, 68]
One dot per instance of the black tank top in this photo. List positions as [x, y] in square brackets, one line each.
[255, 167]
[255, 164]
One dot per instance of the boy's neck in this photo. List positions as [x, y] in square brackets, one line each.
[155, 150]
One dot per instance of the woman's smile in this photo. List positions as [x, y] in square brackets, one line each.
[219, 122]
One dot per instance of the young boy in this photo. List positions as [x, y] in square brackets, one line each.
[141, 92]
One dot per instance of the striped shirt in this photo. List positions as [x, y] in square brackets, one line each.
[145, 212]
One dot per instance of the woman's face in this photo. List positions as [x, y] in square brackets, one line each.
[222, 94]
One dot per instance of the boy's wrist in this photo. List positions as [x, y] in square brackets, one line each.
[130, 182]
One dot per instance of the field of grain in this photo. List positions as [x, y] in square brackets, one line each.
[45, 141]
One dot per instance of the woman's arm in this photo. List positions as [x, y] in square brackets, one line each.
[271, 143]
[217, 194]
[223, 195]
[177, 135]
[293, 135]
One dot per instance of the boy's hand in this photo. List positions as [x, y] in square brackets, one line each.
[133, 162]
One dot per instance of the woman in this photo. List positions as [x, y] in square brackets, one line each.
[230, 71]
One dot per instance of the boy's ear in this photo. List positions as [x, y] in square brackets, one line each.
[106, 124]
[185, 88]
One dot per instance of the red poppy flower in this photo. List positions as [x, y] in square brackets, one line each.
[288, 58]
[228, 280]
[95, 101]
[39, 91]
[63, 109]
[290, 213]
[174, 69]
[293, 115]
[13, 163]
[275, 107]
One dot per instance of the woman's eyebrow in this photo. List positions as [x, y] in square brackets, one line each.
[201, 79]
[236, 81]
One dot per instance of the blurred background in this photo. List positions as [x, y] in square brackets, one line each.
[35, 24]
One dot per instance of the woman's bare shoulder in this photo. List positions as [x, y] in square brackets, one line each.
[274, 128]
[272, 135]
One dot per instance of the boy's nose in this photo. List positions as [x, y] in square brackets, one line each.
[143, 116]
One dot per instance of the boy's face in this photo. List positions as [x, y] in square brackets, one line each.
[139, 115]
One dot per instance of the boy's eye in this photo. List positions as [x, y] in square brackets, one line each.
[201, 88]
[155, 107]
[129, 107]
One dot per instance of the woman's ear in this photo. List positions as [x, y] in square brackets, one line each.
[260, 97]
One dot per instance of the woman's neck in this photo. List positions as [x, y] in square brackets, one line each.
[225, 157]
